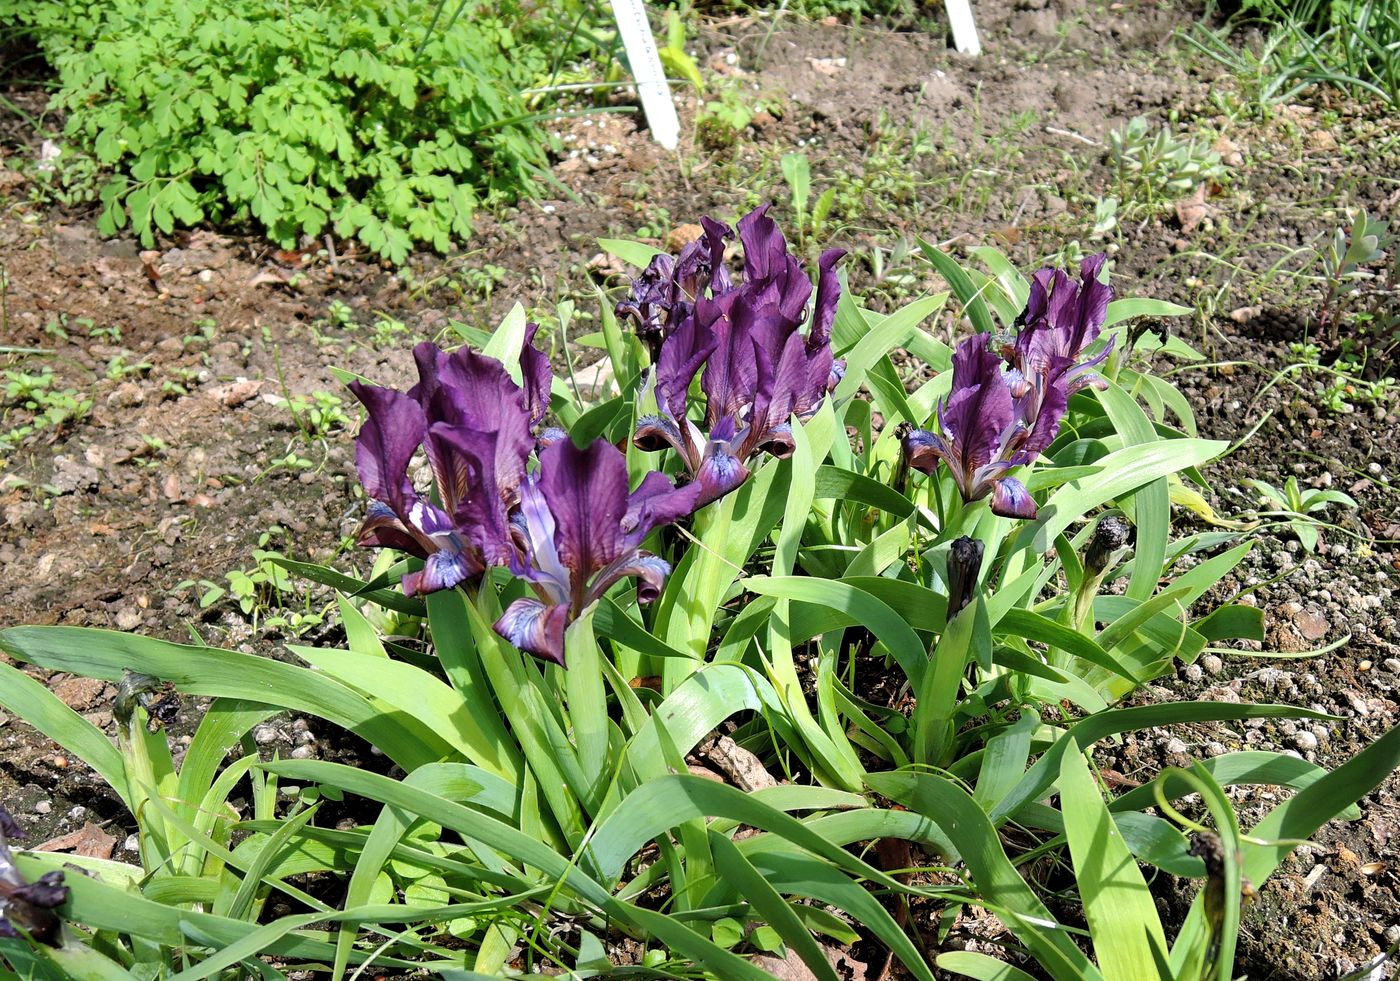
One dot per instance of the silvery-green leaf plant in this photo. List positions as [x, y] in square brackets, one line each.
[911, 580]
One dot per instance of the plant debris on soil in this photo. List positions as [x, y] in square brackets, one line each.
[216, 431]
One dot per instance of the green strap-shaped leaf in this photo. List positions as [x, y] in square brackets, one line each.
[995, 878]
[1123, 920]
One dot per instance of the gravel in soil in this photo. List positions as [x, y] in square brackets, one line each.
[194, 354]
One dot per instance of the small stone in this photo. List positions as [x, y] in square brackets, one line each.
[1364, 666]
[129, 619]
[1192, 673]
[1392, 664]
[1175, 746]
[43, 807]
[132, 843]
[77, 813]
[1305, 741]
[126, 395]
[1212, 663]
[264, 735]
[80, 694]
[303, 753]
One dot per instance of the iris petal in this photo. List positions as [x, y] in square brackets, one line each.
[535, 628]
[1010, 499]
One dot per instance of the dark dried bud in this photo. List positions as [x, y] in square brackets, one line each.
[964, 564]
[134, 689]
[9, 827]
[1112, 534]
[27, 907]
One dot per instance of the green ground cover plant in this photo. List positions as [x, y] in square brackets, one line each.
[391, 123]
[916, 580]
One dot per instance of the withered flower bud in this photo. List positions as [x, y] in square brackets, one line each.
[964, 563]
[27, 907]
[1111, 535]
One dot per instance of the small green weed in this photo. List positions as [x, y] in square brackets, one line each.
[1154, 169]
[1296, 509]
[319, 414]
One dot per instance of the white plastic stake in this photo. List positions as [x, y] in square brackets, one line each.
[660, 111]
[964, 27]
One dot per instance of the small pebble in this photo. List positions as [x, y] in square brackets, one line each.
[132, 843]
[263, 735]
[1175, 745]
[1305, 741]
[43, 807]
[1212, 664]
[1192, 673]
[1364, 666]
[1392, 664]
[77, 813]
[60, 762]
[303, 753]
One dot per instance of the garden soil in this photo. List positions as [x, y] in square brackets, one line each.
[194, 351]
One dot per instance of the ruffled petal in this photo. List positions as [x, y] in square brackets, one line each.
[1010, 499]
[441, 570]
[383, 529]
[535, 628]
[721, 473]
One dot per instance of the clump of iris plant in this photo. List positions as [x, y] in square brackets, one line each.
[570, 527]
[998, 415]
[578, 531]
[27, 908]
[476, 427]
[757, 368]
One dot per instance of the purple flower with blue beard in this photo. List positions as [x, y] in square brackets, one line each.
[579, 531]
[1062, 318]
[759, 369]
[664, 295]
[476, 428]
[987, 431]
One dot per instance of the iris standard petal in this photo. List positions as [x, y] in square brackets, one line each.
[393, 430]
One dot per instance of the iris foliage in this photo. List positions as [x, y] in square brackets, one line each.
[916, 580]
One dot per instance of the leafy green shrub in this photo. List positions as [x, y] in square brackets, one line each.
[378, 119]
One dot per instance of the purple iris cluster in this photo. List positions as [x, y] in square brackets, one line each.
[1003, 413]
[569, 527]
[568, 524]
[757, 368]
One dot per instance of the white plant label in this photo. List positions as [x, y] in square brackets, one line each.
[655, 94]
[964, 27]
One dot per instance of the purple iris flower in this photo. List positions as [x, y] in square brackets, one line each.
[475, 426]
[664, 295]
[987, 431]
[579, 531]
[27, 906]
[1061, 319]
[759, 369]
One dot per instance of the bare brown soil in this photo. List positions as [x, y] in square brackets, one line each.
[189, 351]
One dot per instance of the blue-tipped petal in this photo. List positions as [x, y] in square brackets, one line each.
[720, 473]
[535, 628]
[383, 529]
[441, 570]
[1010, 499]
